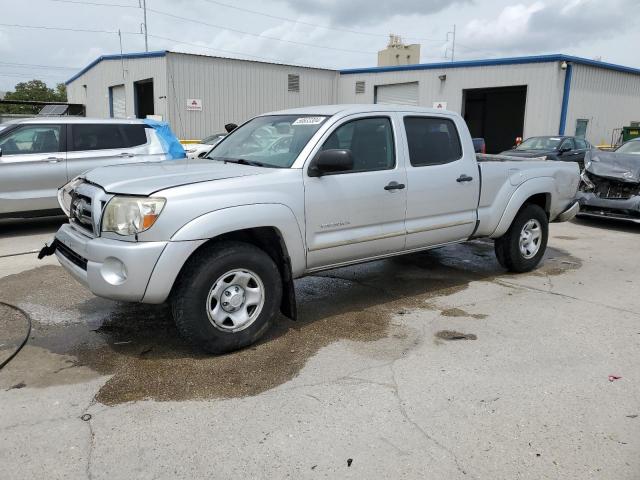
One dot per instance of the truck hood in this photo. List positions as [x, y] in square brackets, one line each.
[622, 167]
[528, 153]
[147, 178]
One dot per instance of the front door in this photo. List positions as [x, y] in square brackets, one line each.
[351, 215]
[32, 168]
[444, 182]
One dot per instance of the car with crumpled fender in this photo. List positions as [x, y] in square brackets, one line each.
[223, 238]
[610, 183]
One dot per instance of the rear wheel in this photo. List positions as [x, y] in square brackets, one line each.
[227, 296]
[522, 247]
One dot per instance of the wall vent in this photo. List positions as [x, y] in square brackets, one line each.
[293, 83]
[360, 87]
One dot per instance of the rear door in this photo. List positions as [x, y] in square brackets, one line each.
[443, 181]
[32, 167]
[93, 145]
[351, 215]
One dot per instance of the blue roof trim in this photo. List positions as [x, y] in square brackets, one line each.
[159, 53]
[494, 62]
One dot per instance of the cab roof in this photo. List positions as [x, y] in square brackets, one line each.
[350, 109]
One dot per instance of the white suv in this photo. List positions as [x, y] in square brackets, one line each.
[38, 155]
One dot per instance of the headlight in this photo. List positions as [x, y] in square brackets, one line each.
[64, 195]
[131, 215]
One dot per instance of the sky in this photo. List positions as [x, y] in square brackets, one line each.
[69, 34]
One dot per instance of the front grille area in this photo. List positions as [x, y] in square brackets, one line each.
[72, 256]
[81, 211]
[611, 189]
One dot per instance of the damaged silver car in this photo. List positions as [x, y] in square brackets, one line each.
[610, 183]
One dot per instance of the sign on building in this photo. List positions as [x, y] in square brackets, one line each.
[440, 105]
[194, 104]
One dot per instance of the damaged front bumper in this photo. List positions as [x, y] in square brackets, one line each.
[627, 209]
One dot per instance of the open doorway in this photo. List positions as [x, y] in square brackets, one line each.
[143, 94]
[495, 114]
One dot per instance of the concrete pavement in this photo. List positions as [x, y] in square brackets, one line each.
[365, 385]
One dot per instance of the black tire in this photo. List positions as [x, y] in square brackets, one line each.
[202, 270]
[507, 247]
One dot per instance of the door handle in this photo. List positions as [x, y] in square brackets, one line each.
[126, 155]
[464, 178]
[54, 159]
[394, 186]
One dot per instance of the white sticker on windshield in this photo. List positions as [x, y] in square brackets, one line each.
[308, 121]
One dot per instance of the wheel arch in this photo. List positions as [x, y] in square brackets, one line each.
[535, 191]
[270, 240]
[271, 227]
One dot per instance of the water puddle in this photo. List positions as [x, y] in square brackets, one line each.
[77, 336]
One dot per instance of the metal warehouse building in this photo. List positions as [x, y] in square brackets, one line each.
[196, 94]
[500, 99]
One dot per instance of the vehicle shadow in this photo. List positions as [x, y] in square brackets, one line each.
[139, 346]
[30, 226]
[608, 224]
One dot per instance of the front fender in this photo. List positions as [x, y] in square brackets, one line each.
[526, 190]
[227, 220]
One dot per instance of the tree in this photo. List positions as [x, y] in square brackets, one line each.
[33, 90]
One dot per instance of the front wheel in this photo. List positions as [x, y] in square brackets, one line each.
[522, 247]
[227, 296]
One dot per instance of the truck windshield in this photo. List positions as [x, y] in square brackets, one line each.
[269, 141]
[540, 143]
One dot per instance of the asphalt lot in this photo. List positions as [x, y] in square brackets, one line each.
[434, 365]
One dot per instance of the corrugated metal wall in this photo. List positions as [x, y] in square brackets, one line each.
[544, 83]
[607, 98]
[109, 73]
[236, 90]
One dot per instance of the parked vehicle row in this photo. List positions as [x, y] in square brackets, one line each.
[291, 193]
[568, 149]
[39, 155]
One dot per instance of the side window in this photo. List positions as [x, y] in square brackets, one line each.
[432, 141]
[32, 139]
[568, 144]
[97, 137]
[581, 143]
[136, 134]
[370, 141]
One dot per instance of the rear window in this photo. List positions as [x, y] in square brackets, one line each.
[106, 136]
[432, 141]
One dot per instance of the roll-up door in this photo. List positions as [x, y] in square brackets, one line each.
[118, 104]
[397, 94]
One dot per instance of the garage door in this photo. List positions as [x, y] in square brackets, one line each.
[397, 94]
[118, 104]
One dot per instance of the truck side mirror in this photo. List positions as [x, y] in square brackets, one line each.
[331, 161]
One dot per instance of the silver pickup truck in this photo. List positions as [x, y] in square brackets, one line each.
[294, 192]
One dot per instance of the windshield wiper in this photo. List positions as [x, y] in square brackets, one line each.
[240, 161]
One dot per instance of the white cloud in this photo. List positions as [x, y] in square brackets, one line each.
[552, 25]
[364, 12]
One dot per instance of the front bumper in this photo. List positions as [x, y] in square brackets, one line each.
[623, 209]
[109, 268]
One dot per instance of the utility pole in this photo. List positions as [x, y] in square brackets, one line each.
[144, 8]
[453, 42]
